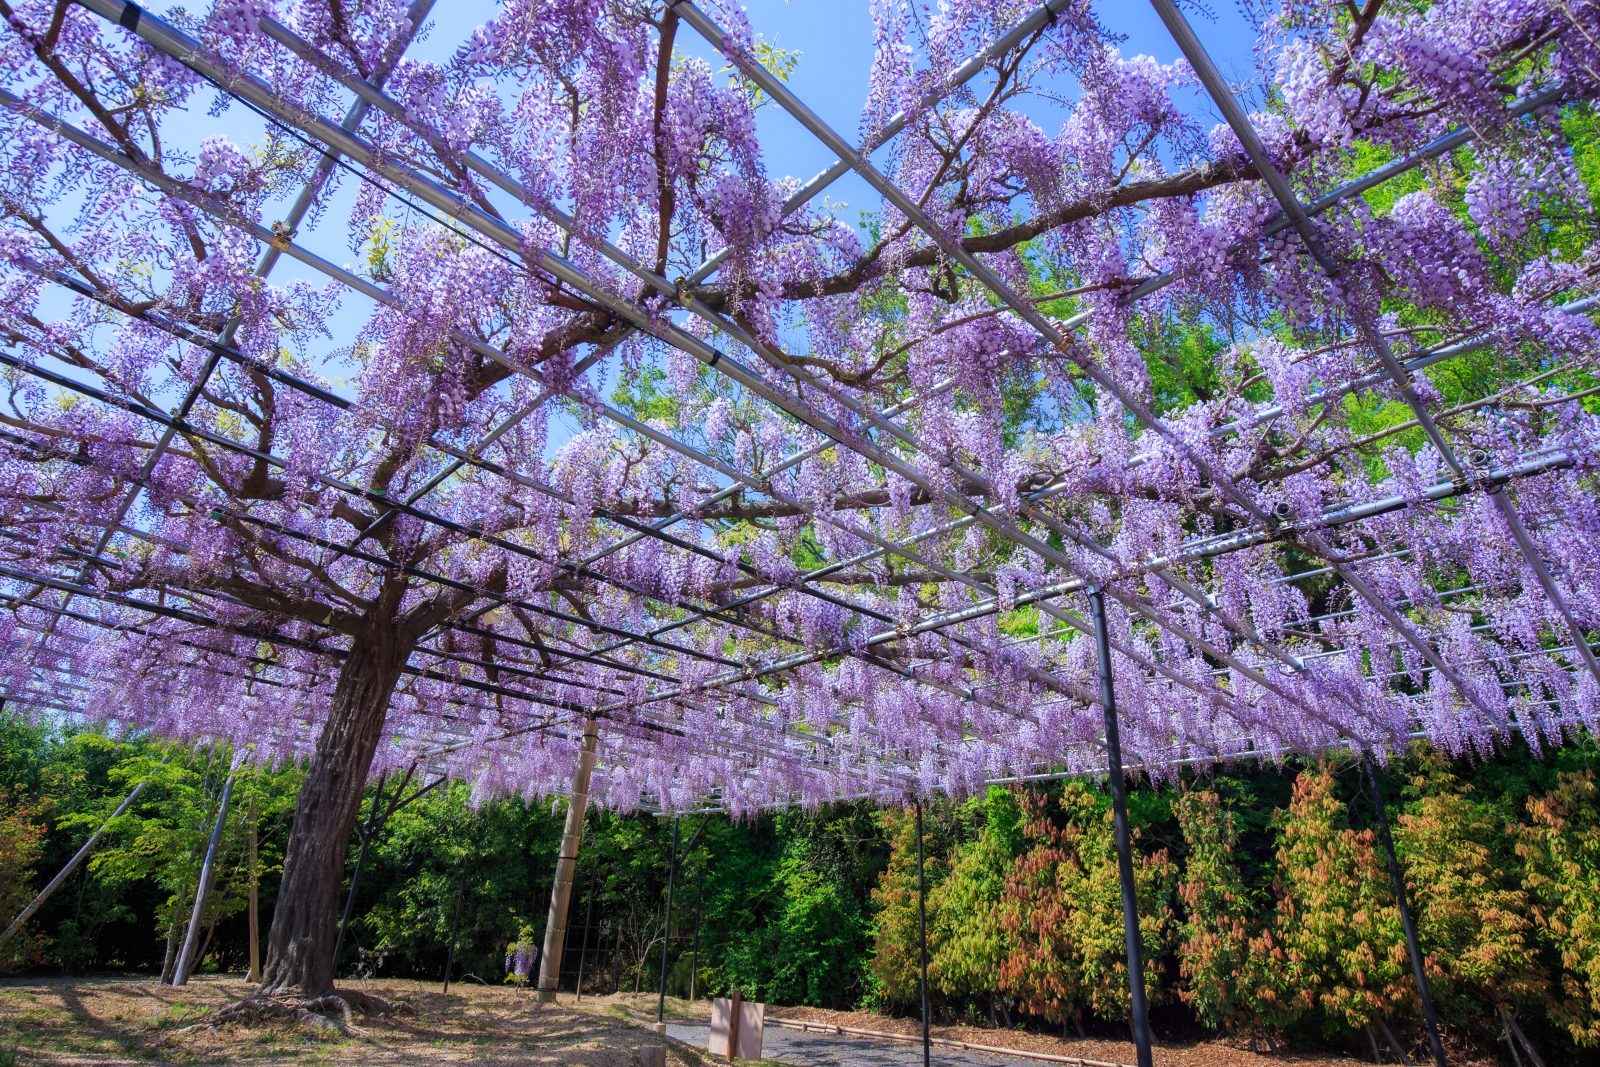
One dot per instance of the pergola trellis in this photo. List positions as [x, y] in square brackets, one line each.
[663, 708]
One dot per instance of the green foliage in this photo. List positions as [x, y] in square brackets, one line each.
[787, 905]
[1561, 848]
[500, 855]
[1003, 813]
[1181, 355]
[1581, 124]
[1473, 913]
[1258, 892]
[1064, 911]
[1219, 915]
[128, 905]
[967, 941]
[1336, 920]
[644, 397]
[21, 844]
[895, 961]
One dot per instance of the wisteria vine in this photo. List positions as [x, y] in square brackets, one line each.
[607, 421]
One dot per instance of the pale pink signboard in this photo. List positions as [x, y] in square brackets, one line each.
[752, 1021]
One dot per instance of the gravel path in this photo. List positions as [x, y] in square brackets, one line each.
[828, 1050]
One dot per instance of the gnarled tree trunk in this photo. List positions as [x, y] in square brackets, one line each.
[300, 941]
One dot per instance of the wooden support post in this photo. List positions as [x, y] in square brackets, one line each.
[555, 927]
[66, 872]
[254, 905]
[735, 1009]
[208, 870]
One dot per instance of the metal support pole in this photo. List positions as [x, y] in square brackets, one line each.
[922, 940]
[208, 870]
[616, 959]
[455, 924]
[699, 916]
[1119, 811]
[350, 898]
[366, 830]
[666, 928]
[588, 922]
[1402, 900]
[66, 872]
[555, 926]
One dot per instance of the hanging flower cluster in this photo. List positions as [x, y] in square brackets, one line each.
[524, 393]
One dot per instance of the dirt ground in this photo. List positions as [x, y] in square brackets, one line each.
[1215, 1052]
[104, 1021]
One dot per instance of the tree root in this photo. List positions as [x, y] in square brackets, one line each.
[371, 1004]
[331, 1012]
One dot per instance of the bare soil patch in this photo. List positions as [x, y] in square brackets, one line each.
[104, 1021]
[1216, 1052]
[97, 1022]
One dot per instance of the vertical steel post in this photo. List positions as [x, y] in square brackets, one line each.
[666, 928]
[366, 830]
[253, 908]
[588, 921]
[1398, 877]
[455, 924]
[1119, 811]
[699, 916]
[922, 940]
[350, 899]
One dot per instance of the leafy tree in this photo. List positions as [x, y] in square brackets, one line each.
[1219, 918]
[967, 941]
[1474, 918]
[788, 905]
[1560, 847]
[501, 856]
[896, 962]
[21, 843]
[1336, 923]
[819, 932]
[1064, 911]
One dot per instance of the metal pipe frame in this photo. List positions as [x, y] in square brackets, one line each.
[373, 95]
[1139, 1013]
[851, 160]
[1024, 310]
[720, 322]
[328, 397]
[377, 99]
[462, 458]
[302, 206]
[1217, 88]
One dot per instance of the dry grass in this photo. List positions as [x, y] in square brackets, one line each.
[102, 1021]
